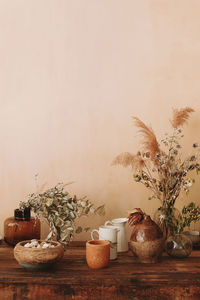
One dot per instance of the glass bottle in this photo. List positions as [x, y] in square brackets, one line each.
[21, 227]
[160, 217]
[178, 246]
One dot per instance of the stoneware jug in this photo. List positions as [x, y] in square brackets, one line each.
[147, 241]
[122, 243]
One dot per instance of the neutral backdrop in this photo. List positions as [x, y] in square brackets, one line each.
[72, 73]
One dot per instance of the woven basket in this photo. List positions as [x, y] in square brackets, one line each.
[37, 256]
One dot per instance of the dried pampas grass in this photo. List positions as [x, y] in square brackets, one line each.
[126, 159]
[150, 142]
[181, 116]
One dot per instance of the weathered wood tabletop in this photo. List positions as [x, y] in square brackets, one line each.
[124, 278]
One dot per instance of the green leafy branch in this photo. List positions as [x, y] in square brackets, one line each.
[189, 214]
[61, 210]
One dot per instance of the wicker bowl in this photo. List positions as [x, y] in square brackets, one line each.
[38, 258]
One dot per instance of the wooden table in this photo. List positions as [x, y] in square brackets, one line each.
[124, 278]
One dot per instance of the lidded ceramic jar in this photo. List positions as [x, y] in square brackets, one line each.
[147, 242]
[21, 227]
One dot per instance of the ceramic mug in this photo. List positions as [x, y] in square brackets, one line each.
[97, 254]
[108, 233]
[122, 244]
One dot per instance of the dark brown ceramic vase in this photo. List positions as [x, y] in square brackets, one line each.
[147, 242]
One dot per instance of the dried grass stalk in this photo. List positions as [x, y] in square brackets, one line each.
[126, 159]
[181, 116]
[150, 142]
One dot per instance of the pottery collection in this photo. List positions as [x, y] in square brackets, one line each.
[147, 241]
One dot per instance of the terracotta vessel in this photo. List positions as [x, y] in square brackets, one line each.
[147, 241]
[97, 253]
[38, 258]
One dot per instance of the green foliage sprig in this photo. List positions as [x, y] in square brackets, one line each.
[189, 214]
[61, 210]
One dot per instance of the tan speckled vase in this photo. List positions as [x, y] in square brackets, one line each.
[97, 253]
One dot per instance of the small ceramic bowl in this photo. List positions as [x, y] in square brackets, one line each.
[194, 236]
[38, 258]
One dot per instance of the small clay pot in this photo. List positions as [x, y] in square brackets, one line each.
[97, 253]
[147, 241]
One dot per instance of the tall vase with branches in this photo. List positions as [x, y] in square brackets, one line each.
[160, 166]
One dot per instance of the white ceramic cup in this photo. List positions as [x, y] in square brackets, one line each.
[108, 233]
[122, 244]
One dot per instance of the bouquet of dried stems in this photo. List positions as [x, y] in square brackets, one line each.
[161, 168]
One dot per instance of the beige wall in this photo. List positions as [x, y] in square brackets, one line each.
[72, 73]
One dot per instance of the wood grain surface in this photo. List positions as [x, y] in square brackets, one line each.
[124, 278]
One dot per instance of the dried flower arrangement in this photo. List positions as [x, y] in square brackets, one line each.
[163, 171]
[61, 210]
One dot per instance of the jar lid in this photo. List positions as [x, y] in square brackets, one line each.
[23, 214]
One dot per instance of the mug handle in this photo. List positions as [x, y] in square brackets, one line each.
[94, 230]
[108, 222]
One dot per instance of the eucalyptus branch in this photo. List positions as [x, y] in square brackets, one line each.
[60, 210]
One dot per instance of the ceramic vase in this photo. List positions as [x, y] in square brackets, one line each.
[147, 241]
